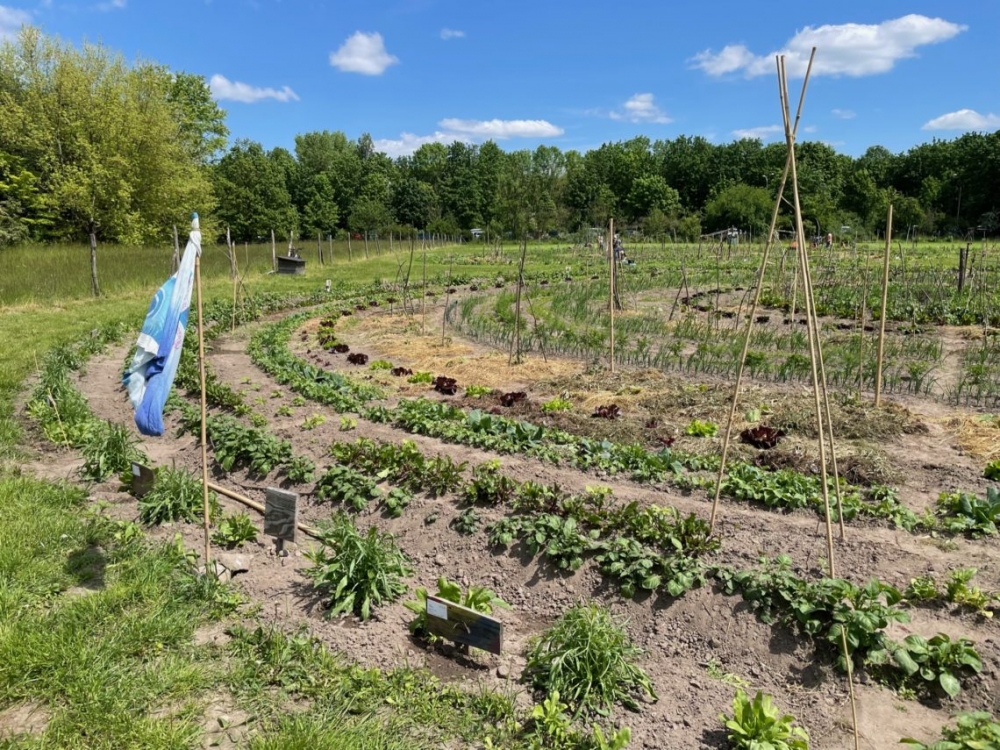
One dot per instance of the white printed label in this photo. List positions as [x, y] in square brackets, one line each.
[437, 609]
[135, 469]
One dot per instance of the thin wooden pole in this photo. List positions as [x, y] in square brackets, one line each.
[447, 299]
[95, 288]
[274, 253]
[319, 247]
[611, 290]
[861, 332]
[810, 312]
[423, 295]
[236, 278]
[885, 301]
[204, 415]
[515, 347]
[350, 250]
[308, 530]
[753, 311]
[849, 665]
[176, 261]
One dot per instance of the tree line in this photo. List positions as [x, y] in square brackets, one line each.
[91, 143]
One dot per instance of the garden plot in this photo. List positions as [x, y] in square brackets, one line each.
[700, 643]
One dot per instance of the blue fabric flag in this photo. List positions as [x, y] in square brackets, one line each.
[158, 350]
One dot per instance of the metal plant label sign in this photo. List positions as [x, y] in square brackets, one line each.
[463, 625]
[143, 479]
[281, 514]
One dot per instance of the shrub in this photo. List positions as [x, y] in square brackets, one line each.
[359, 571]
[589, 659]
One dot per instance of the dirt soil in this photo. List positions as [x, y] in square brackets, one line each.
[687, 640]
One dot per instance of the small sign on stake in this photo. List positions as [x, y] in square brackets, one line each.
[143, 479]
[281, 515]
[460, 624]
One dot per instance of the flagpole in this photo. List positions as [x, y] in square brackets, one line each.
[204, 409]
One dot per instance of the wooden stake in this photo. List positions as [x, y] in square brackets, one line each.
[176, 261]
[204, 417]
[753, 312]
[849, 664]
[319, 247]
[611, 289]
[515, 345]
[861, 332]
[274, 253]
[812, 329]
[447, 298]
[423, 296]
[885, 301]
[95, 288]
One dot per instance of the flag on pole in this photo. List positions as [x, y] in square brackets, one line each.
[158, 350]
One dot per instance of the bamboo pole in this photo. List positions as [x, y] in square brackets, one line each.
[611, 289]
[753, 309]
[885, 301]
[308, 530]
[236, 278]
[204, 414]
[810, 312]
[861, 332]
[515, 345]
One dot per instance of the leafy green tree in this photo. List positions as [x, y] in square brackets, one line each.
[320, 213]
[200, 119]
[741, 206]
[252, 194]
[651, 193]
[413, 202]
[105, 143]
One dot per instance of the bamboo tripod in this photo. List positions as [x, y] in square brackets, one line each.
[824, 422]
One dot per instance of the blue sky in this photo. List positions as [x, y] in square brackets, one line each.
[573, 75]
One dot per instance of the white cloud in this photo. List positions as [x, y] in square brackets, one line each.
[11, 21]
[500, 129]
[447, 34]
[407, 143]
[468, 131]
[810, 129]
[851, 49]
[844, 114]
[641, 108]
[764, 132]
[964, 119]
[363, 53]
[112, 5]
[235, 91]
